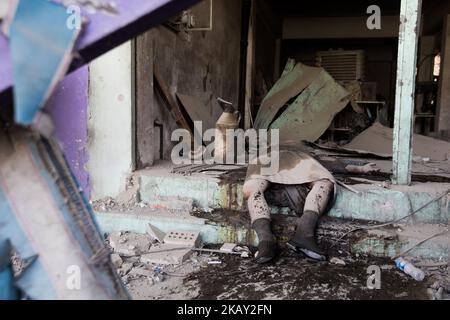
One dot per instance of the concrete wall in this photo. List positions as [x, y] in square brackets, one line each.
[110, 122]
[204, 64]
[338, 28]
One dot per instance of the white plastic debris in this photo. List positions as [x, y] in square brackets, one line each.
[337, 261]
[228, 247]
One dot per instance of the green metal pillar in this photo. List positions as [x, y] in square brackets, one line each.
[405, 91]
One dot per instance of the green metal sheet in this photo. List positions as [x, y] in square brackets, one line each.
[291, 83]
[309, 116]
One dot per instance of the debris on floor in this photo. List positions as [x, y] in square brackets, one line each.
[440, 289]
[129, 244]
[151, 263]
[175, 248]
[378, 139]
[228, 247]
[166, 254]
[152, 281]
[337, 261]
[109, 204]
[291, 277]
[128, 200]
[116, 259]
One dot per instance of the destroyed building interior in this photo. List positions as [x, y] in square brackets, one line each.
[368, 92]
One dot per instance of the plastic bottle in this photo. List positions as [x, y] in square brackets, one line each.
[408, 268]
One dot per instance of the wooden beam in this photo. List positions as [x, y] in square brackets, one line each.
[169, 100]
[410, 13]
[145, 151]
[250, 69]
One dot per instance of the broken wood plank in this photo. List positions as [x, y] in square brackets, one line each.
[169, 100]
[197, 111]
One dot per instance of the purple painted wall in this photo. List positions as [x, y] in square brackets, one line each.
[68, 108]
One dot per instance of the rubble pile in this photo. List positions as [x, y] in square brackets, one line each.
[153, 268]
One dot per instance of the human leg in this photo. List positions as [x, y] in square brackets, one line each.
[315, 205]
[260, 218]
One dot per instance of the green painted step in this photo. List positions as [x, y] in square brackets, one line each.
[234, 228]
[161, 189]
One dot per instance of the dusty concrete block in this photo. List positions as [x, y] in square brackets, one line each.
[116, 260]
[126, 267]
[166, 254]
[155, 233]
[183, 238]
[127, 244]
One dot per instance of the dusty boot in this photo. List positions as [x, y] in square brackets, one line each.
[303, 240]
[267, 243]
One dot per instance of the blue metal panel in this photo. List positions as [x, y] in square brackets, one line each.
[41, 44]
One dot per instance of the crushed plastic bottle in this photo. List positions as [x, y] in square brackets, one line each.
[408, 268]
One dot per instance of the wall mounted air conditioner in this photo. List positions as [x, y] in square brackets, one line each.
[343, 65]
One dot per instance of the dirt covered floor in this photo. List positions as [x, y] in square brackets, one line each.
[291, 276]
[295, 277]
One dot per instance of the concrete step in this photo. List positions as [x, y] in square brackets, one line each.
[390, 242]
[162, 189]
[234, 227]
